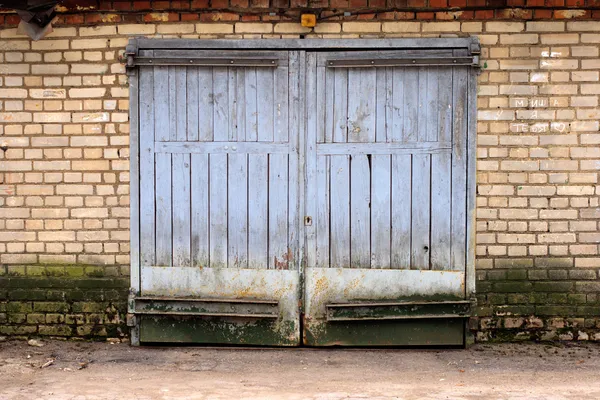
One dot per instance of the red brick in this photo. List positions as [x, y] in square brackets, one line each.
[484, 14]
[542, 14]
[555, 3]
[596, 14]
[271, 18]
[259, 3]
[298, 3]
[387, 16]
[535, 3]
[575, 3]
[425, 15]
[466, 15]
[141, 5]
[190, 17]
[366, 17]
[405, 15]
[438, 3]
[280, 3]
[214, 17]
[515, 3]
[250, 18]
[358, 3]
[122, 5]
[496, 3]
[339, 3]
[457, 3]
[74, 19]
[131, 18]
[397, 3]
[200, 4]
[180, 5]
[160, 5]
[104, 5]
[565, 14]
[416, 3]
[377, 3]
[12, 19]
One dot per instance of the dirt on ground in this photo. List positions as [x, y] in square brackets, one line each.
[86, 371]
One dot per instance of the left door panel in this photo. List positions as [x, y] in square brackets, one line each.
[218, 223]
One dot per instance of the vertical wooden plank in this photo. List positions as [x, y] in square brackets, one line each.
[265, 103]
[177, 103]
[251, 105]
[240, 104]
[280, 105]
[432, 103]
[192, 104]
[421, 199]
[440, 211]
[327, 104]
[206, 101]
[410, 119]
[471, 180]
[257, 211]
[381, 203]
[161, 104]
[220, 104]
[278, 211]
[289, 121]
[181, 210]
[313, 190]
[459, 168]
[232, 131]
[146, 187]
[340, 106]
[360, 213]
[322, 214]
[340, 211]
[423, 97]
[134, 184]
[395, 84]
[297, 110]
[199, 205]
[237, 213]
[164, 216]
[361, 105]
[382, 104]
[401, 211]
[441, 171]
[218, 210]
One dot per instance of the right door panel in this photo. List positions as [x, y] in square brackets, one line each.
[386, 192]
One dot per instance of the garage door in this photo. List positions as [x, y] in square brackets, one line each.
[301, 195]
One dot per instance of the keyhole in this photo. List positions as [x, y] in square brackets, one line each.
[426, 248]
[307, 221]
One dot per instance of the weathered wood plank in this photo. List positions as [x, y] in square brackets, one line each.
[250, 85]
[232, 130]
[471, 181]
[199, 204]
[423, 97]
[146, 187]
[206, 104]
[440, 211]
[459, 168]
[218, 210]
[221, 105]
[433, 95]
[134, 184]
[161, 104]
[237, 213]
[265, 104]
[192, 105]
[381, 203]
[383, 148]
[328, 104]
[383, 102]
[340, 211]
[278, 211]
[280, 105]
[410, 103]
[257, 211]
[322, 212]
[240, 105]
[164, 216]
[361, 105]
[221, 147]
[181, 210]
[289, 117]
[401, 211]
[340, 106]
[421, 178]
[312, 192]
[360, 213]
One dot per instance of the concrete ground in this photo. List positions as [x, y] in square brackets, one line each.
[81, 370]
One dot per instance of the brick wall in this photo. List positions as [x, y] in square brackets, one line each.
[64, 168]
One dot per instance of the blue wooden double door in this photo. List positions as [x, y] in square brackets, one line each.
[298, 197]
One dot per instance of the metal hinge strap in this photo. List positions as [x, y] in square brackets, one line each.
[203, 62]
[399, 62]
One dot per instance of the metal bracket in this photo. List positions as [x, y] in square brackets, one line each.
[131, 51]
[399, 311]
[203, 62]
[195, 307]
[400, 62]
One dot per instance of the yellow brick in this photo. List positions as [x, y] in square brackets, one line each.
[401, 27]
[252, 27]
[214, 28]
[361, 27]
